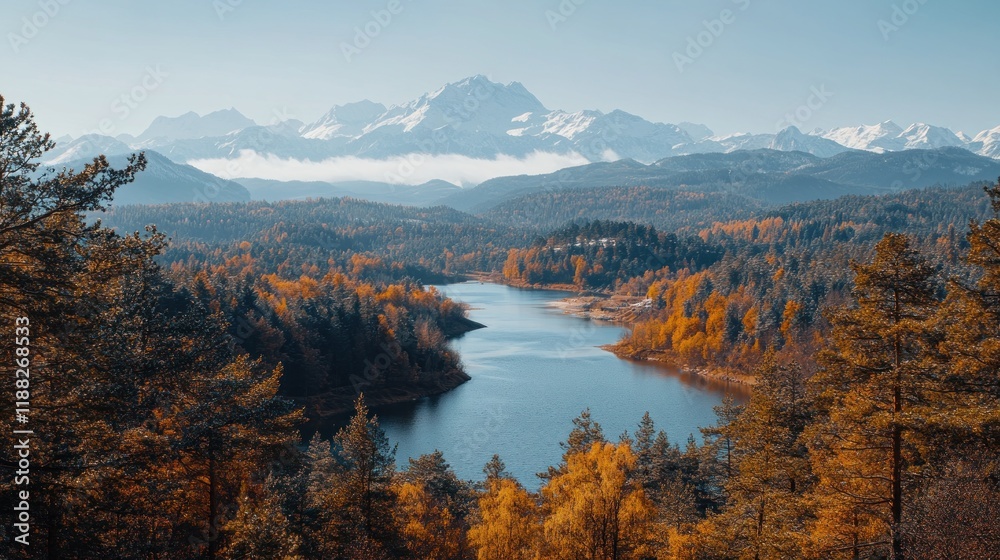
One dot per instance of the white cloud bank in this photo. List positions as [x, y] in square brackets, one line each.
[410, 169]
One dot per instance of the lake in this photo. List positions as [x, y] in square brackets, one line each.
[533, 370]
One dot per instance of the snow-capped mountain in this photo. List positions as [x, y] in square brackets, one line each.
[873, 138]
[163, 180]
[725, 144]
[791, 139]
[85, 147]
[479, 119]
[987, 143]
[474, 117]
[920, 136]
[347, 120]
[890, 137]
[475, 104]
[191, 125]
[695, 131]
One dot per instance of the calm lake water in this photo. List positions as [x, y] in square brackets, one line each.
[533, 370]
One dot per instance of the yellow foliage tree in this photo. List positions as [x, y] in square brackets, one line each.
[595, 510]
[509, 526]
[431, 532]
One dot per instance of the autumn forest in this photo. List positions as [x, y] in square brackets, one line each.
[182, 355]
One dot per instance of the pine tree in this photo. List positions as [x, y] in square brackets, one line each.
[766, 513]
[871, 392]
[718, 454]
[364, 515]
[439, 480]
[586, 432]
[260, 528]
[496, 469]
[970, 351]
[41, 222]
[230, 422]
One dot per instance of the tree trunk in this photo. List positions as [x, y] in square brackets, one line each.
[213, 529]
[897, 444]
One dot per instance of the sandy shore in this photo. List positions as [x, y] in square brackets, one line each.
[618, 309]
[714, 373]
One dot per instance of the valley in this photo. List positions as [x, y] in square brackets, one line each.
[569, 280]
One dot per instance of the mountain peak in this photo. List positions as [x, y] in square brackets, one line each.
[790, 131]
[695, 131]
[475, 104]
[191, 125]
[347, 120]
[792, 139]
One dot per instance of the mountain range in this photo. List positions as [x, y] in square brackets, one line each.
[479, 118]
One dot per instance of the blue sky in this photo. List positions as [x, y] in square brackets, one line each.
[266, 58]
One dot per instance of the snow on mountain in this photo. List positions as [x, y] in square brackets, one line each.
[343, 120]
[567, 125]
[475, 104]
[791, 139]
[696, 131]
[623, 135]
[987, 143]
[162, 181]
[924, 136]
[85, 148]
[599, 136]
[874, 138]
[724, 144]
[481, 119]
[190, 125]
[889, 137]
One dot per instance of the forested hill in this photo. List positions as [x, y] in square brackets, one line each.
[724, 291]
[329, 287]
[726, 280]
[762, 176]
[421, 243]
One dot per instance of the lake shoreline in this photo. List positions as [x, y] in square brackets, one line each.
[707, 372]
[320, 409]
[340, 401]
[534, 370]
[623, 310]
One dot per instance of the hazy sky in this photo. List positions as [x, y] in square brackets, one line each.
[266, 58]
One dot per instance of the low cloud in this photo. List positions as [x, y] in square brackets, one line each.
[410, 169]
